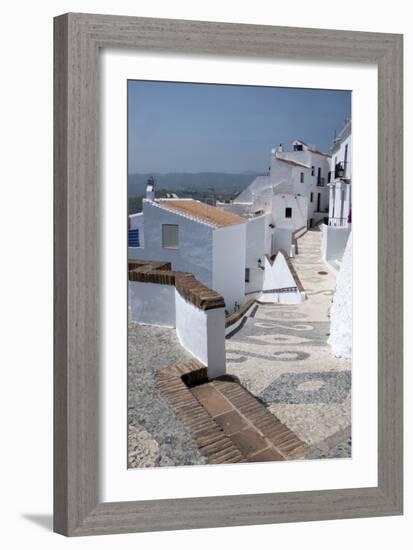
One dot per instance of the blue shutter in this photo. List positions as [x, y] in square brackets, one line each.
[133, 237]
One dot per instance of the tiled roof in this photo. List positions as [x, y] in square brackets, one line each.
[202, 212]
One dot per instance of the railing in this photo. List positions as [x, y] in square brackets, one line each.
[337, 222]
[340, 170]
[280, 290]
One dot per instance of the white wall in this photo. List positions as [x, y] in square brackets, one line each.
[229, 264]
[195, 243]
[255, 250]
[282, 239]
[278, 276]
[298, 204]
[216, 353]
[341, 325]
[333, 241]
[136, 220]
[151, 303]
[202, 333]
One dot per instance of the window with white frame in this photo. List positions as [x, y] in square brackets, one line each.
[170, 236]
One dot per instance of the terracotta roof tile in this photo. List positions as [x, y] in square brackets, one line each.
[202, 212]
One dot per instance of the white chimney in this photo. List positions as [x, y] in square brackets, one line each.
[150, 189]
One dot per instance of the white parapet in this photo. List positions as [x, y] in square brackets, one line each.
[202, 333]
[152, 304]
[333, 242]
[341, 334]
[281, 284]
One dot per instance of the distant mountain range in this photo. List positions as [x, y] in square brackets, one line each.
[219, 183]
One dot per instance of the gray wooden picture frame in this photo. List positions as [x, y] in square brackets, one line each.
[78, 39]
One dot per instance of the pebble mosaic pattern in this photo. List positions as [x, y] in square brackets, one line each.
[282, 357]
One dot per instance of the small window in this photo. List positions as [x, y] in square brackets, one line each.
[312, 170]
[329, 177]
[170, 236]
[247, 274]
[311, 197]
[301, 177]
[288, 212]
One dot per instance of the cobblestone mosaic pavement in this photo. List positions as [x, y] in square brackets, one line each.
[281, 355]
[156, 436]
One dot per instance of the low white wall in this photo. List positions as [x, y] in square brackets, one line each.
[341, 326]
[228, 275]
[216, 359]
[278, 276]
[202, 333]
[152, 304]
[282, 297]
[333, 242]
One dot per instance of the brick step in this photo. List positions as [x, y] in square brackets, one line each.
[228, 424]
[258, 434]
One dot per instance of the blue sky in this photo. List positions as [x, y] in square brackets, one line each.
[177, 127]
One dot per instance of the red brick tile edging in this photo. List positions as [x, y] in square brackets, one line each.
[149, 271]
[208, 435]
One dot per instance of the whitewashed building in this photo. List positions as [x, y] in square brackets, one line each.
[337, 229]
[293, 195]
[223, 250]
[197, 238]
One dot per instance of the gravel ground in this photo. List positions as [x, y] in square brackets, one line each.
[156, 436]
[341, 450]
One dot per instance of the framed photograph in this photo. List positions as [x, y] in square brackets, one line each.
[228, 274]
